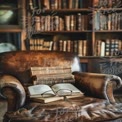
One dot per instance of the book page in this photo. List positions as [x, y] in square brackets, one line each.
[42, 90]
[63, 89]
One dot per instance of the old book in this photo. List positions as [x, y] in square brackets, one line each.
[98, 47]
[113, 21]
[31, 4]
[57, 90]
[80, 48]
[109, 21]
[80, 4]
[39, 3]
[59, 4]
[75, 46]
[47, 100]
[102, 52]
[49, 70]
[97, 20]
[64, 4]
[68, 45]
[52, 4]
[47, 4]
[70, 4]
[34, 3]
[37, 23]
[64, 45]
[60, 45]
[110, 3]
[72, 22]
[52, 79]
[84, 47]
[76, 4]
[55, 98]
[95, 3]
[67, 22]
[79, 21]
[107, 47]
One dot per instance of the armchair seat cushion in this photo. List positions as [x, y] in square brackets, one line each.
[86, 109]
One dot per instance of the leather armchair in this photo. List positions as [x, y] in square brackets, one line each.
[97, 104]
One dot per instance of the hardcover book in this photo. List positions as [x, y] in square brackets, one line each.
[46, 93]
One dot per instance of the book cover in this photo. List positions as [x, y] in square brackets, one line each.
[47, 100]
[80, 3]
[49, 70]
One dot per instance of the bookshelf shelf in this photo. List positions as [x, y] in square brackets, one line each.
[108, 9]
[108, 31]
[53, 32]
[69, 10]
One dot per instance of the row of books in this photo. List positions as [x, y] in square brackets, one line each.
[77, 46]
[59, 23]
[108, 47]
[57, 4]
[110, 21]
[40, 44]
[107, 3]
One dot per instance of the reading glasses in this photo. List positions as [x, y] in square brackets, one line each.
[60, 92]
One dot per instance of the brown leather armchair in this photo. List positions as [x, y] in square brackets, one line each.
[97, 104]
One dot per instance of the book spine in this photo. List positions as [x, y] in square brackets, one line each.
[31, 5]
[109, 21]
[79, 21]
[107, 47]
[34, 3]
[98, 47]
[64, 45]
[95, 3]
[102, 51]
[68, 45]
[37, 23]
[73, 22]
[67, 22]
[80, 3]
[75, 43]
[52, 4]
[76, 4]
[80, 48]
[47, 4]
[84, 47]
[97, 20]
[64, 4]
[39, 4]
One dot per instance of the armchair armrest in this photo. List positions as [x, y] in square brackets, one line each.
[98, 85]
[12, 90]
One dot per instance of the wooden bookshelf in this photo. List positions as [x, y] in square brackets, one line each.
[75, 20]
[12, 22]
[69, 20]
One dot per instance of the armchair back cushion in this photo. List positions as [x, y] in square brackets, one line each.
[18, 63]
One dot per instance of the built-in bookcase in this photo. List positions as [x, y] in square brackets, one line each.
[88, 28]
[107, 27]
[63, 25]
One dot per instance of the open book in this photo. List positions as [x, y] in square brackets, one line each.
[46, 93]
